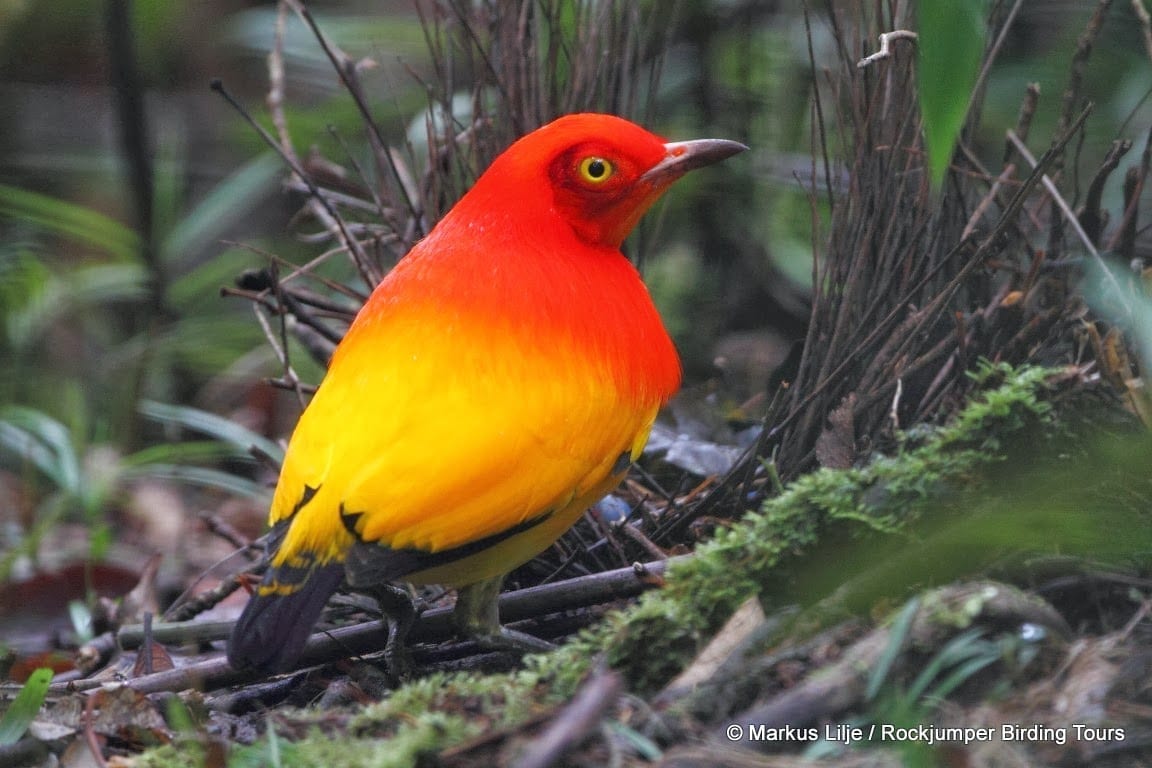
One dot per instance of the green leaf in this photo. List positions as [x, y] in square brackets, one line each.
[950, 49]
[899, 633]
[229, 201]
[202, 451]
[75, 221]
[212, 425]
[25, 706]
[39, 439]
[89, 288]
[201, 476]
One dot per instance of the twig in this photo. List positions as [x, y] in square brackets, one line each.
[886, 39]
[87, 719]
[367, 637]
[184, 609]
[1084, 44]
[575, 722]
[1145, 25]
[1127, 226]
[981, 252]
[281, 352]
[638, 536]
[275, 97]
[225, 531]
[343, 68]
[1069, 215]
[894, 410]
[1091, 216]
[990, 57]
[325, 212]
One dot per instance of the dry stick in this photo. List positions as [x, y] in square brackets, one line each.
[281, 352]
[1024, 119]
[817, 105]
[90, 739]
[1023, 127]
[1128, 224]
[275, 98]
[886, 39]
[275, 101]
[990, 57]
[993, 195]
[305, 269]
[307, 318]
[929, 314]
[1145, 25]
[306, 339]
[1069, 215]
[1080, 58]
[575, 722]
[329, 213]
[1091, 217]
[186, 605]
[977, 258]
[354, 90]
[367, 637]
[186, 608]
[348, 200]
[1125, 237]
[377, 206]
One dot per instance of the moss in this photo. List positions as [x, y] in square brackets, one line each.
[179, 754]
[504, 700]
[422, 736]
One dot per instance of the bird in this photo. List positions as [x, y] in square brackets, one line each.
[497, 382]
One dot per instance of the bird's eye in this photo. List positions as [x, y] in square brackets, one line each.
[596, 170]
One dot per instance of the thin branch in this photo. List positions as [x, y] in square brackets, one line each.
[1145, 25]
[886, 40]
[368, 637]
[1069, 214]
[328, 213]
[575, 722]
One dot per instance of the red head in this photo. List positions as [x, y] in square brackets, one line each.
[598, 172]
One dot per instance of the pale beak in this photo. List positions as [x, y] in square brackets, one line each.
[684, 156]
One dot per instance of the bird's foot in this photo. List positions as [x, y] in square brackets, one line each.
[400, 614]
[505, 639]
[477, 617]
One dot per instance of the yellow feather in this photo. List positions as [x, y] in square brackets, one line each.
[440, 442]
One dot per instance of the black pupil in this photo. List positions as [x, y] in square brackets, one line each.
[596, 168]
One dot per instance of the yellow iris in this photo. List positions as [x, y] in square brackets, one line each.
[596, 170]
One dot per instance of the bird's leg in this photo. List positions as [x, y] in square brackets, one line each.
[477, 616]
[400, 614]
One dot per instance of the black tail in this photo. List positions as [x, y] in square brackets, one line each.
[277, 621]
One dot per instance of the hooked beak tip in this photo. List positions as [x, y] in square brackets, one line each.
[684, 156]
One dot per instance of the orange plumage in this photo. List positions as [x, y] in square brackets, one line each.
[497, 382]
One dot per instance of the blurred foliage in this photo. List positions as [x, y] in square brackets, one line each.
[73, 474]
[83, 344]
